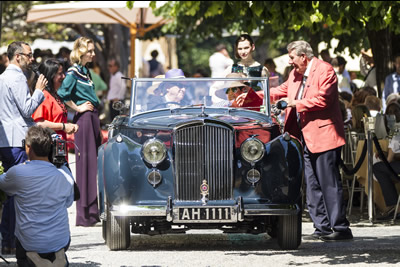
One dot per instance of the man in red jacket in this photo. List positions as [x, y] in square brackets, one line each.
[313, 115]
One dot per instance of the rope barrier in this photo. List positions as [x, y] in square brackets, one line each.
[383, 158]
[362, 157]
[358, 164]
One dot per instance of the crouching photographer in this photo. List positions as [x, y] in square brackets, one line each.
[42, 194]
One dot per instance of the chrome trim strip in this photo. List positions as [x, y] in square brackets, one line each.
[265, 209]
[139, 211]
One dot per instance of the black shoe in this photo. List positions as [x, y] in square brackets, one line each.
[338, 236]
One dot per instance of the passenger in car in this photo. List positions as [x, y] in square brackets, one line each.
[229, 90]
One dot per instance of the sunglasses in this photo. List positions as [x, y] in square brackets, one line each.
[234, 89]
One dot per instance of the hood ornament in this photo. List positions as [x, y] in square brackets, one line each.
[204, 188]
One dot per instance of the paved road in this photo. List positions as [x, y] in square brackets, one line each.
[373, 245]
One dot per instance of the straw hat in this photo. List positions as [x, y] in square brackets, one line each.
[367, 53]
[221, 91]
[151, 90]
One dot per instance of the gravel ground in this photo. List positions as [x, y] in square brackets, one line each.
[375, 244]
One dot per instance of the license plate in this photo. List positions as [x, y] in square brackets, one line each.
[205, 214]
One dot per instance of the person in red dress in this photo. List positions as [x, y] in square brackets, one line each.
[52, 113]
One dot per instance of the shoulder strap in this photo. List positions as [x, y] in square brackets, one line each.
[67, 176]
[366, 76]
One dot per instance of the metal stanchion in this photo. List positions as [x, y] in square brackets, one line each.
[369, 125]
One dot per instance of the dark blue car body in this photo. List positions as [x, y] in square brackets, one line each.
[205, 179]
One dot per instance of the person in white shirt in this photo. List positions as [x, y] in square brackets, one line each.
[368, 69]
[219, 61]
[339, 64]
[117, 88]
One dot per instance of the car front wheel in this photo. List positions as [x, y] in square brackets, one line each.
[118, 234]
[289, 231]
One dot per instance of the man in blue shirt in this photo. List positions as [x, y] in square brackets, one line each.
[42, 193]
[391, 83]
[16, 109]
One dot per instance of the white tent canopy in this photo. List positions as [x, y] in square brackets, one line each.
[94, 12]
[107, 12]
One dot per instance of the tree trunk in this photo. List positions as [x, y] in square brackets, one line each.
[118, 37]
[381, 45]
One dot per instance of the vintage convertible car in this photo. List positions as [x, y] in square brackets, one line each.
[199, 163]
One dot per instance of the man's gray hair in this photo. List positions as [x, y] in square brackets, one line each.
[301, 47]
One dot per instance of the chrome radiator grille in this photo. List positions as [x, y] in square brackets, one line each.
[204, 152]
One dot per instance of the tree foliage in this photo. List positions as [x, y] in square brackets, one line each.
[356, 24]
[283, 20]
[14, 25]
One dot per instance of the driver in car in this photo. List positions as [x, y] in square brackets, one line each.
[171, 93]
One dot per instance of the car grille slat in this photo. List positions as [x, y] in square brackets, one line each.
[204, 152]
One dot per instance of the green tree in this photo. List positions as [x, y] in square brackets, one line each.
[14, 26]
[356, 24]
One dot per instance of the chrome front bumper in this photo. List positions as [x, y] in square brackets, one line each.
[210, 213]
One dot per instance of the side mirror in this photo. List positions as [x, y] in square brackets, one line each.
[120, 106]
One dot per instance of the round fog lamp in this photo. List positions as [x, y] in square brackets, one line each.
[252, 150]
[154, 178]
[154, 151]
[253, 176]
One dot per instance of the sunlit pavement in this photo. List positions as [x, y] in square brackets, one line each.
[376, 244]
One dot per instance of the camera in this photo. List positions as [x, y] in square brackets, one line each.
[58, 151]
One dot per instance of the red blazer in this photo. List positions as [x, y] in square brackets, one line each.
[320, 117]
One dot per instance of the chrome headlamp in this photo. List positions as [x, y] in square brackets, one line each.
[154, 151]
[252, 150]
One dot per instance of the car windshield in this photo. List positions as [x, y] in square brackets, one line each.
[159, 93]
